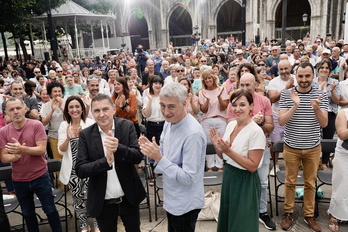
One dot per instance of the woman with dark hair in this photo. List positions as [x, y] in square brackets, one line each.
[329, 85]
[152, 111]
[52, 115]
[191, 105]
[75, 120]
[125, 102]
[85, 75]
[29, 88]
[118, 66]
[74, 66]
[242, 146]
[246, 68]
[223, 66]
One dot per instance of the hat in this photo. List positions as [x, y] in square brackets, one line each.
[239, 51]
[318, 40]
[326, 51]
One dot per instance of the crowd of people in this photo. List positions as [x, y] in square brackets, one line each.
[102, 116]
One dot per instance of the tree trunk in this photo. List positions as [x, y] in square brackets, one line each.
[24, 49]
[5, 45]
[73, 39]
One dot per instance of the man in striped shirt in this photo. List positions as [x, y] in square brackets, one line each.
[303, 110]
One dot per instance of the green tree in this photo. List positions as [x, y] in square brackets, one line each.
[15, 15]
[99, 6]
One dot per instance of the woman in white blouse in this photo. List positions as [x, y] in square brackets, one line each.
[242, 146]
[152, 110]
[75, 120]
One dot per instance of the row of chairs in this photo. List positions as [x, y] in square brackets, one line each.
[11, 205]
[325, 177]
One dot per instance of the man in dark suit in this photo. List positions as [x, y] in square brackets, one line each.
[107, 153]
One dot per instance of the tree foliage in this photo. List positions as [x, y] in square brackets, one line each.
[15, 14]
[98, 6]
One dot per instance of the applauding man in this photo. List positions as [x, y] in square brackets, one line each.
[23, 143]
[180, 159]
[303, 111]
[107, 153]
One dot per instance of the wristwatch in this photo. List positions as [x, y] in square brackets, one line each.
[262, 123]
[124, 106]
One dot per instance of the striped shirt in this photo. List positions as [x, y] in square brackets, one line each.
[302, 131]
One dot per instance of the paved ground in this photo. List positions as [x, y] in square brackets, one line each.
[202, 226]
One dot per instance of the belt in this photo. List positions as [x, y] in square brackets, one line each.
[155, 123]
[113, 201]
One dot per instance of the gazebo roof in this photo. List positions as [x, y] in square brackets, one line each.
[70, 11]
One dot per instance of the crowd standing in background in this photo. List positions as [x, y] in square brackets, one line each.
[283, 92]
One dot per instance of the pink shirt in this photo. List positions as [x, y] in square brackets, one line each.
[28, 167]
[261, 104]
[214, 105]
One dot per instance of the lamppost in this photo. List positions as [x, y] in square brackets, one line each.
[123, 44]
[304, 19]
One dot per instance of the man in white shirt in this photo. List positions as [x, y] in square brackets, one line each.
[275, 87]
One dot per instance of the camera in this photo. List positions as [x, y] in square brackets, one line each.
[140, 51]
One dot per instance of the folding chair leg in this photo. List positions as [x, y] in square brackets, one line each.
[270, 197]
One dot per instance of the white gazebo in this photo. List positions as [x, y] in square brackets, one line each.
[70, 13]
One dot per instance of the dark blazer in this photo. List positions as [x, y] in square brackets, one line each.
[91, 162]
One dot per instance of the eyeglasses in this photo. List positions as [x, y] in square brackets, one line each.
[260, 64]
[274, 50]
[180, 70]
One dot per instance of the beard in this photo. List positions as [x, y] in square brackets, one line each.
[304, 84]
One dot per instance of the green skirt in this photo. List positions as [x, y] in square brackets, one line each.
[240, 201]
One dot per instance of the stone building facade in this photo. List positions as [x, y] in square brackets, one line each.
[158, 22]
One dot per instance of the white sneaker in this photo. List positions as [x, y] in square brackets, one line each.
[271, 173]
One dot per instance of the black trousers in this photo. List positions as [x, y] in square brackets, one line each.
[328, 133]
[107, 220]
[183, 223]
[4, 223]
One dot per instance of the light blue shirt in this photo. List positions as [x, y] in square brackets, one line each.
[183, 146]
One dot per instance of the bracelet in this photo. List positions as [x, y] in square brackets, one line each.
[124, 106]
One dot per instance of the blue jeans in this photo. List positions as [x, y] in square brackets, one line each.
[42, 187]
[263, 175]
[183, 223]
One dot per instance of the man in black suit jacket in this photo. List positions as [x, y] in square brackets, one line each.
[107, 153]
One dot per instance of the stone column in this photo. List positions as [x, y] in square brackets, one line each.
[164, 41]
[270, 29]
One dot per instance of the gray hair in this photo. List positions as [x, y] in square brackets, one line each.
[174, 89]
[112, 70]
[16, 82]
[15, 99]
